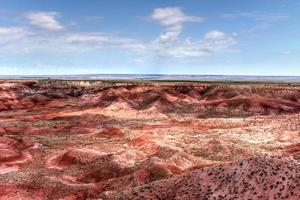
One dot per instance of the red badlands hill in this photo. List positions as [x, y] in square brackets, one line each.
[253, 178]
[204, 99]
[93, 139]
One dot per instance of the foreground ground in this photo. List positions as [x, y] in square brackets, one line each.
[98, 140]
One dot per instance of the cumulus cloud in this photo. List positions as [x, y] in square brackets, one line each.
[218, 40]
[213, 41]
[170, 45]
[44, 20]
[172, 16]
[172, 19]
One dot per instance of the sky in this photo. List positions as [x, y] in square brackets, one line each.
[216, 37]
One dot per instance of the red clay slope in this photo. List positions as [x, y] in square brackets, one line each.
[253, 178]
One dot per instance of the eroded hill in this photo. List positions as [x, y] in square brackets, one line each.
[81, 139]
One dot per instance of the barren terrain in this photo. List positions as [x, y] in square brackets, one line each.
[101, 140]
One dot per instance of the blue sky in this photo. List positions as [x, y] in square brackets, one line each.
[249, 37]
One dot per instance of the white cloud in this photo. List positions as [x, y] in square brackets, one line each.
[214, 35]
[168, 36]
[261, 21]
[94, 38]
[88, 41]
[172, 19]
[172, 16]
[213, 41]
[168, 45]
[11, 40]
[44, 20]
[8, 34]
[266, 17]
[19, 40]
[218, 40]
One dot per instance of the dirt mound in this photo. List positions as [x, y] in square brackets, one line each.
[77, 157]
[213, 150]
[110, 131]
[253, 178]
[293, 150]
[93, 166]
[37, 98]
[11, 148]
[14, 153]
[224, 92]
[105, 168]
[8, 153]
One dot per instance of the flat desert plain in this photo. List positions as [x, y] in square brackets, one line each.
[104, 140]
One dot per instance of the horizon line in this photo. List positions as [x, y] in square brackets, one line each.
[146, 74]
